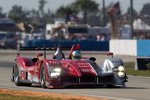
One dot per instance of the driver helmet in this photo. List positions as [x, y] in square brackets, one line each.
[76, 54]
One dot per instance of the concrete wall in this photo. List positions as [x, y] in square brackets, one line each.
[143, 48]
[123, 47]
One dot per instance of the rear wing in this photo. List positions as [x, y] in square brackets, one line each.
[35, 48]
[44, 49]
[57, 49]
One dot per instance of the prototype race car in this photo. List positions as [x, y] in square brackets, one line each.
[61, 71]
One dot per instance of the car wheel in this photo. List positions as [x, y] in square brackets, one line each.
[12, 75]
[43, 77]
[15, 75]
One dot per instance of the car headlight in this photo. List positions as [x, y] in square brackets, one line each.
[57, 70]
[121, 69]
[121, 74]
[54, 75]
[54, 72]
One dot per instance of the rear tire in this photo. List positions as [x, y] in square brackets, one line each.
[15, 76]
[43, 76]
[12, 75]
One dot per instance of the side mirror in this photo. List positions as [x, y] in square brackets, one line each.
[92, 58]
[35, 60]
[110, 54]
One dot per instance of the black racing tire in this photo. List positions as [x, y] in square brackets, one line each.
[15, 76]
[43, 76]
[12, 74]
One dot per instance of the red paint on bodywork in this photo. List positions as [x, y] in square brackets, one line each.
[78, 67]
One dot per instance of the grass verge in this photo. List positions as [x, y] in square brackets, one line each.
[15, 97]
[129, 66]
[9, 94]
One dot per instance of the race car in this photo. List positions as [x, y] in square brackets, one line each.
[60, 71]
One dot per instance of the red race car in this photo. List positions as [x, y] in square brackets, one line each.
[61, 71]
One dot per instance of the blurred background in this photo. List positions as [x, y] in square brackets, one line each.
[50, 22]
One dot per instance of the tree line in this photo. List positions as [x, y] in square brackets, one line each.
[88, 9]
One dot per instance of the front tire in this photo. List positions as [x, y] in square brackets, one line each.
[15, 75]
[16, 78]
[43, 76]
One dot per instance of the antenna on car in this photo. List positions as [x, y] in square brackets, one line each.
[44, 51]
[18, 49]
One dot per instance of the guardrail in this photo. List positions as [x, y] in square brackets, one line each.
[130, 47]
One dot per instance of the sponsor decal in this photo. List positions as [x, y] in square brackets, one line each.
[86, 70]
[83, 65]
[53, 62]
[116, 62]
[31, 68]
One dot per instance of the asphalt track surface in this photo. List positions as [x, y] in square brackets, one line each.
[138, 88]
